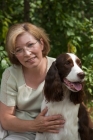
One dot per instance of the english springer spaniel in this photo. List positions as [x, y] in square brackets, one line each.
[63, 93]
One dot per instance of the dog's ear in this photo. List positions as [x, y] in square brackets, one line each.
[53, 85]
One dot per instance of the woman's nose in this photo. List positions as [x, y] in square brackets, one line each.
[27, 52]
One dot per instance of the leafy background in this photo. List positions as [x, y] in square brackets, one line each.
[69, 24]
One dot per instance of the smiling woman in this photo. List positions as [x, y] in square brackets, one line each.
[28, 50]
[38, 34]
[22, 84]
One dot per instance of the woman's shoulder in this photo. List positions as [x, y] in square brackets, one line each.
[14, 74]
[13, 70]
[51, 59]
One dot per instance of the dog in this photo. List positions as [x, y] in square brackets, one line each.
[64, 92]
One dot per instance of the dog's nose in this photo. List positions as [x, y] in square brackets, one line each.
[81, 75]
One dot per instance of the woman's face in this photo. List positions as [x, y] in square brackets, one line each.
[28, 50]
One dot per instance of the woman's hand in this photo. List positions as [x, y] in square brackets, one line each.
[48, 123]
[41, 124]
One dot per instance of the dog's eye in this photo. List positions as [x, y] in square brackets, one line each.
[79, 63]
[68, 62]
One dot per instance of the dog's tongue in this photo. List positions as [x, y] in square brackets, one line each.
[73, 85]
[77, 86]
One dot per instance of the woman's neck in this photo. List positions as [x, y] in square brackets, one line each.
[42, 67]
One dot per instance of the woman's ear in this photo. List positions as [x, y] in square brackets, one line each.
[42, 43]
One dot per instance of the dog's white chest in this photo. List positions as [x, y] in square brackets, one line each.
[69, 112]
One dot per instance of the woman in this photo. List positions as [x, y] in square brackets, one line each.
[22, 84]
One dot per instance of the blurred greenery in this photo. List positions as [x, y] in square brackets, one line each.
[69, 24]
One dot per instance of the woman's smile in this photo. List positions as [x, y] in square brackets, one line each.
[32, 59]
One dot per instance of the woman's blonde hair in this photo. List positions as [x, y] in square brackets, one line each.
[19, 29]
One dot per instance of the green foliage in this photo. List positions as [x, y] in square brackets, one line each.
[4, 62]
[68, 23]
[89, 79]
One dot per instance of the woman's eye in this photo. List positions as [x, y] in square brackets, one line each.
[30, 45]
[19, 50]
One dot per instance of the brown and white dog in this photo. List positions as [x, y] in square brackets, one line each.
[63, 93]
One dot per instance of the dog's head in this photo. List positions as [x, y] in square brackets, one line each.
[66, 70]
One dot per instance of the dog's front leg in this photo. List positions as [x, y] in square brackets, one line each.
[83, 123]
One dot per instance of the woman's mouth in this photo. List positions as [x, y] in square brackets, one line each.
[31, 59]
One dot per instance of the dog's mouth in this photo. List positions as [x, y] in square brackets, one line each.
[74, 86]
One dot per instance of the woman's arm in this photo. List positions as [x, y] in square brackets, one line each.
[42, 123]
